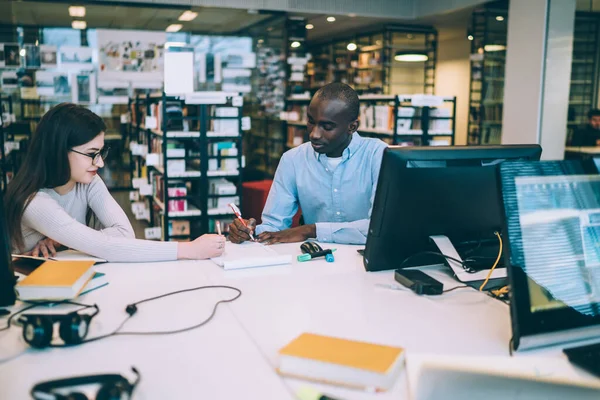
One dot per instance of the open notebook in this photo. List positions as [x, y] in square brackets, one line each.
[249, 255]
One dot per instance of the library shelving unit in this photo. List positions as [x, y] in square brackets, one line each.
[583, 94]
[367, 61]
[403, 119]
[266, 138]
[488, 59]
[192, 162]
[7, 159]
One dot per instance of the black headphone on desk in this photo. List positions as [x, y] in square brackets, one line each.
[112, 387]
[38, 329]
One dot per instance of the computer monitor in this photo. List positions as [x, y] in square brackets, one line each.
[424, 191]
[552, 250]
[7, 277]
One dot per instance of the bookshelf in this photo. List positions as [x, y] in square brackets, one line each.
[583, 95]
[404, 119]
[187, 162]
[8, 144]
[488, 58]
[370, 66]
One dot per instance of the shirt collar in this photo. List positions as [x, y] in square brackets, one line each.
[350, 150]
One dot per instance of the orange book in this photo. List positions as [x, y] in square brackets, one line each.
[56, 280]
[341, 361]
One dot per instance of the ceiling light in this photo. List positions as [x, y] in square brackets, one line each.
[410, 56]
[174, 28]
[77, 11]
[470, 37]
[295, 44]
[78, 25]
[351, 46]
[330, 19]
[22, 52]
[309, 26]
[188, 16]
[499, 18]
[494, 47]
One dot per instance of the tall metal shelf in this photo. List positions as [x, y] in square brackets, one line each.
[196, 141]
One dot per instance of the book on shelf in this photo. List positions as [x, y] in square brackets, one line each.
[179, 228]
[177, 204]
[405, 123]
[226, 126]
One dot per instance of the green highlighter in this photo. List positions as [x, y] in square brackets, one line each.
[328, 253]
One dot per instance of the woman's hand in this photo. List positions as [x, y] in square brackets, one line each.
[47, 247]
[206, 246]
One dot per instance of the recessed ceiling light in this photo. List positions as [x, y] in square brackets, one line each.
[78, 25]
[470, 37]
[174, 28]
[351, 46]
[295, 44]
[77, 11]
[499, 18]
[309, 26]
[188, 16]
[330, 19]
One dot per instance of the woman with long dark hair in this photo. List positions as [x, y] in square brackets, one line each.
[49, 198]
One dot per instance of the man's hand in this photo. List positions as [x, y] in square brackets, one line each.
[239, 233]
[47, 247]
[292, 235]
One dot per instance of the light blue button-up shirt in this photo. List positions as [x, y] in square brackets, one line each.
[339, 202]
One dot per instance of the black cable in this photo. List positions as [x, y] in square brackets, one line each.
[454, 288]
[131, 309]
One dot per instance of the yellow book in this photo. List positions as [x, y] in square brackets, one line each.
[56, 280]
[341, 361]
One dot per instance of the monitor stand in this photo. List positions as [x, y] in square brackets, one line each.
[474, 279]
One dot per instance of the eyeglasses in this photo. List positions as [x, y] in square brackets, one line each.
[102, 153]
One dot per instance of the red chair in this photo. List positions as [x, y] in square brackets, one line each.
[254, 198]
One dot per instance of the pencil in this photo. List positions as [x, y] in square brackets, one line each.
[219, 228]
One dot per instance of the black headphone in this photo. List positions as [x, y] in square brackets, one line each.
[38, 329]
[112, 387]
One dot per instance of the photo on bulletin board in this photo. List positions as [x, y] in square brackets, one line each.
[130, 51]
[26, 78]
[32, 56]
[48, 56]
[84, 88]
[76, 57]
[11, 55]
[52, 83]
[9, 80]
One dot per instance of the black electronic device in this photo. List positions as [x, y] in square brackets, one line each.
[419, 282]
[38, 329]
[552, 250]
[7, 276]
[586, 357]
[111, 387]
[450, 191]
[310, 247]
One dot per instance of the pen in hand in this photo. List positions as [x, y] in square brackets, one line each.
[219, 228]
[238, 214]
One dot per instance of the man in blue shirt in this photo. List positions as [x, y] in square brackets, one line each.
[332, 178]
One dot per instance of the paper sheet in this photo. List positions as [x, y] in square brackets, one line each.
[250, 255]
[74, 255]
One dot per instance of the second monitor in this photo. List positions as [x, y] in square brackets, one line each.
[425, 191]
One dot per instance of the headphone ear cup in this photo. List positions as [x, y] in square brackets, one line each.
[74, 328]
[37, 331]
[113, 390]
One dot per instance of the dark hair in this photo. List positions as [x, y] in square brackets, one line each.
[46, 163]
[343, 92]
[593, 113]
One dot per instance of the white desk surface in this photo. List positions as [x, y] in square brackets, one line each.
[235, 355]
